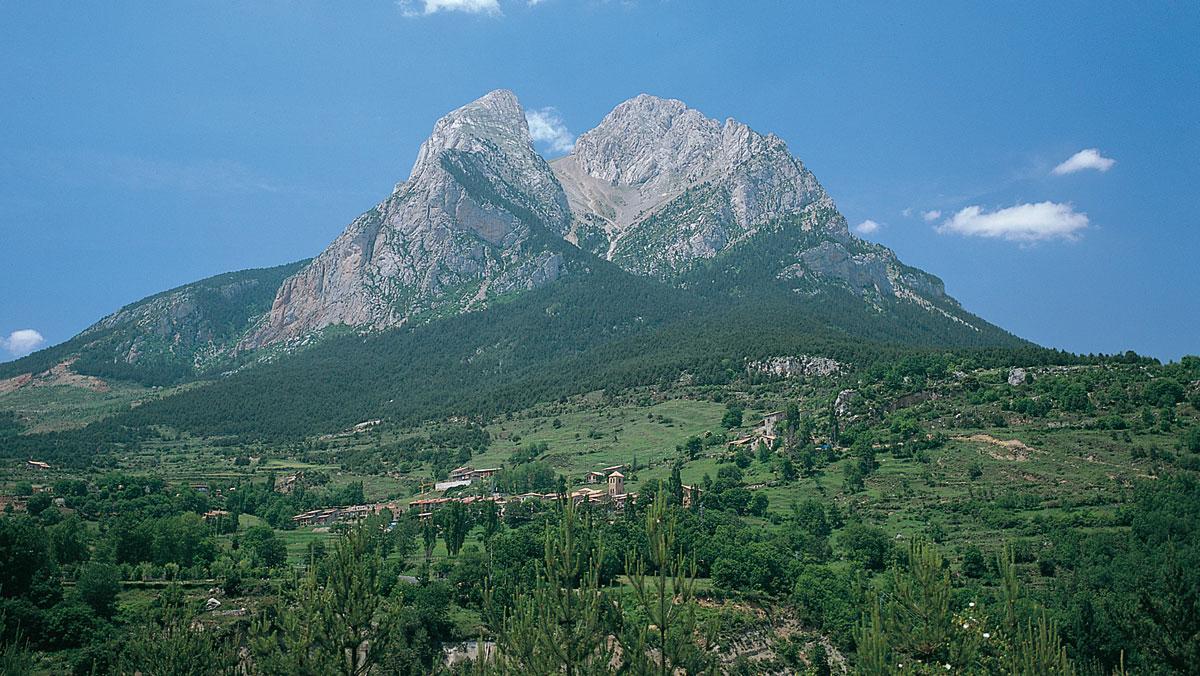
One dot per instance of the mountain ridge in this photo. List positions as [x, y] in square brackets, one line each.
[656, 189]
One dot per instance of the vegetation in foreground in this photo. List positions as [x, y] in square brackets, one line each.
[940, 515]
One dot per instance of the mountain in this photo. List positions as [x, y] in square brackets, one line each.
[657, 185]
[658, 188]
[468, 225]
[170, 336]
[722, 225]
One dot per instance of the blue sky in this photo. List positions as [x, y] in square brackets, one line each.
[147, 145]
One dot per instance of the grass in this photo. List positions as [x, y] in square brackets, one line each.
[589, 438]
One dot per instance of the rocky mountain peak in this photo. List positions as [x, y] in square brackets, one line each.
[449, 238]
[649, 142]
[653, 159]
[495, 121]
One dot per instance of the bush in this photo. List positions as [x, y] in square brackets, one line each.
[1191, 439]
[98, 586]
[867, 545]
[974, 565]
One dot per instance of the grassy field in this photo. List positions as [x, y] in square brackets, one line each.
[60, 407]
[583, 438]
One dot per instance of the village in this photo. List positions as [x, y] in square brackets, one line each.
[603, 487]
[612, 496]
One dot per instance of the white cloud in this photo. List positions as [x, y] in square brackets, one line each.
[22, 342]
[931, 215]
[1022, 223]
[867, 227]
[1088, 158]
[466, 6]
[547, 127]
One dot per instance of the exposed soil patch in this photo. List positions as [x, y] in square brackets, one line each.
[59, 374]
[1000, 449]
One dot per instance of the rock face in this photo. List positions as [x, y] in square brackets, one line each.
[458, 232]
[843, 406]
[658, 185]
[796, 367]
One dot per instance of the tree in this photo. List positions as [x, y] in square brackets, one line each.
[732, 417]
[764, 453]
[1031, 650]
[269, 550]
[24, 556]
[974, 565]
[741, 458]
[665, 643]
[489, 518]
[1191, 439]
[914, 621]
[560, 624]
[343, 626]
[792, 418]
[69, 540]
[675, 485]
[295, 639]
[455, 526]
[867, 545]
[852, 476]
[174, 647]
[429, 533]
[98, 586]
[38, 503]
[758, 504]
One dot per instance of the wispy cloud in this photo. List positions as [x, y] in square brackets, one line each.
[547, 127]
[427, 7]
[867, 227]
[1022, 222]
[931, 215]
[21, 342]
[1088, 158]
[200, 176]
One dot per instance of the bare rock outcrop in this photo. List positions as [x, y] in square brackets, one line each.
[448, 239]
[797, 366]
[657, 185]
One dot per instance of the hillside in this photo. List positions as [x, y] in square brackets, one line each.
[168, 337]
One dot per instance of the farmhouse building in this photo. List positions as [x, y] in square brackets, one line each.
[770, 422]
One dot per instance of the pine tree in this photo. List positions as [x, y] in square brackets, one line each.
[914, 620]
[560, 625]
[340, 625]
[666, 597]
[1032, 649]
[173, 647]
[295, 639]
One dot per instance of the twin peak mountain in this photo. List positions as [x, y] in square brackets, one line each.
[660, 220]
[657, 189]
